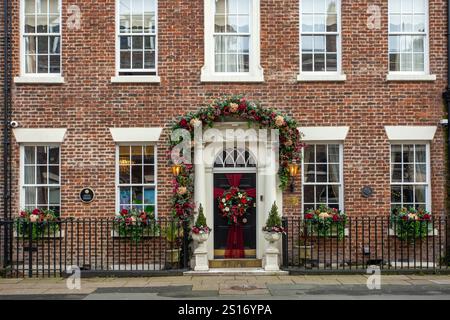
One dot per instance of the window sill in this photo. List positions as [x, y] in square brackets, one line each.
[430, 233]
[306, 77]
[232, 78]
[31, 79]
[410, 77]
[136, 79]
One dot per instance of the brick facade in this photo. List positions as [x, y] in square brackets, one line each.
[88, 104]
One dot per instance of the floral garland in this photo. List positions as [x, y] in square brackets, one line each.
[234, 204]
[237, 107]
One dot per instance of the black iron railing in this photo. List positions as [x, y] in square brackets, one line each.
[94, 246]
[361, 242]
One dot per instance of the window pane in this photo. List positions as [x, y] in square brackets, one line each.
[333, 153]
[307, 43]
[125, 195]
[396, 194]
[418, 62]
[332, 23]
[319, 44]
[219, 25]
[29, 175]
[421, 172]
[42, 44]
[331, 62]
[42, 24]
[54, 155]
[307, 62]
[55, 64]
[310, 173]
[321, 172]
[54, 45]
[125, 43]
[421, 153]
[309, 154]
[394, 6]
[243, 24]
[232, 24]
[125, 60]
[319, 62]
[54, 24]
[54, 196]
[149, 60]
[407, 6]
[30, 24]
[149, 195]
[406, 62]
[407, 23]
[137, 60]
[333, 194]
[136, 174]
[320, 23]
[41, 155]
[307, 6]
[124, 174]
[54, 6]
[149, 174]
[419, 6]
[321, 153]
[30, 196]
[331, 44]
[231, 63]
[30, 6]
[42, 195]
[244, 6]
[220, 6]
[396, 173]
[149, 43]
[137, 42]
[137, 196]
[419, 23]
[53, 175]
[395, 23]
[394, 62]
[408, 173]
[232, 6]
[396, 153]
[42, 6]
[333, 174]
[29, 155]
[42, 64]
[394, 44]
[30, 65]
[320, 6]
[137, 23]
[125, 23]
[243, 44]
[408, 194]
[307, 22]
[321, 194]
[220, 63]
[308, 194]
[41, 175]
[408, 153]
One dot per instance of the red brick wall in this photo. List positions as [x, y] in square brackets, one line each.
[88, 103]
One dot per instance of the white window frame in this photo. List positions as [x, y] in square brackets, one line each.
[22, 173]
[341, 173]
[45, 78]
[428, 168]
[134, 78]
[256, 72]
[412, 75]
[323, 75]
[117, 173]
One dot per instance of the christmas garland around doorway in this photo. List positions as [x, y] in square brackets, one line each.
[240, 108]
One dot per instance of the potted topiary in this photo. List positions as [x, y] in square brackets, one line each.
[200, 230]
[273, 228]
[272, 233]
[200, 233]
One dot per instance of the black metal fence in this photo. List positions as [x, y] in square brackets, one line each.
[95, 246]
[390, 244]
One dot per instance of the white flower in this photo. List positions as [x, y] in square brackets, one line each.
[223, 200]
[240, 195]
[227, 209]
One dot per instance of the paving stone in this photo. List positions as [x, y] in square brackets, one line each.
[144, 289]
[226, 292]
[190, 294]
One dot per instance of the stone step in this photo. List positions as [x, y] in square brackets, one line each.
[235, 263]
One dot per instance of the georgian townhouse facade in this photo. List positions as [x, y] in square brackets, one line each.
[98, 85]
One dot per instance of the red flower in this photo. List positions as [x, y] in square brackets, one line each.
[244, 200]
[426, 216]
[124, 212]
[335, 218]
[309, 216]
[183, 123]
[228, 197]
[36, 211]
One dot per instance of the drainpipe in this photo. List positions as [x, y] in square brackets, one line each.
[445, 122]
[7, 131]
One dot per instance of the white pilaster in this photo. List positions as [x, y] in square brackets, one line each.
[199, 175]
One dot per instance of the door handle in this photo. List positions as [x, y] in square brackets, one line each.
[261, 198]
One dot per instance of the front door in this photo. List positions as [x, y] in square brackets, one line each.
[247, 222]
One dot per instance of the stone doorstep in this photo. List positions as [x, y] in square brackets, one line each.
[236, 272]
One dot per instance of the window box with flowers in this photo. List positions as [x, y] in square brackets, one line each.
[38, 224]
[325, 222]
[411, 224]
[135, 225]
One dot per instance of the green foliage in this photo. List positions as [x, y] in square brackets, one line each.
[201, 219]
[410, 224]
[274, 219]
[173, 231]
[135, 225]
[37, 223]
[326, 222]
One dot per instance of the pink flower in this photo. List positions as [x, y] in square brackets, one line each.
[36, 212]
